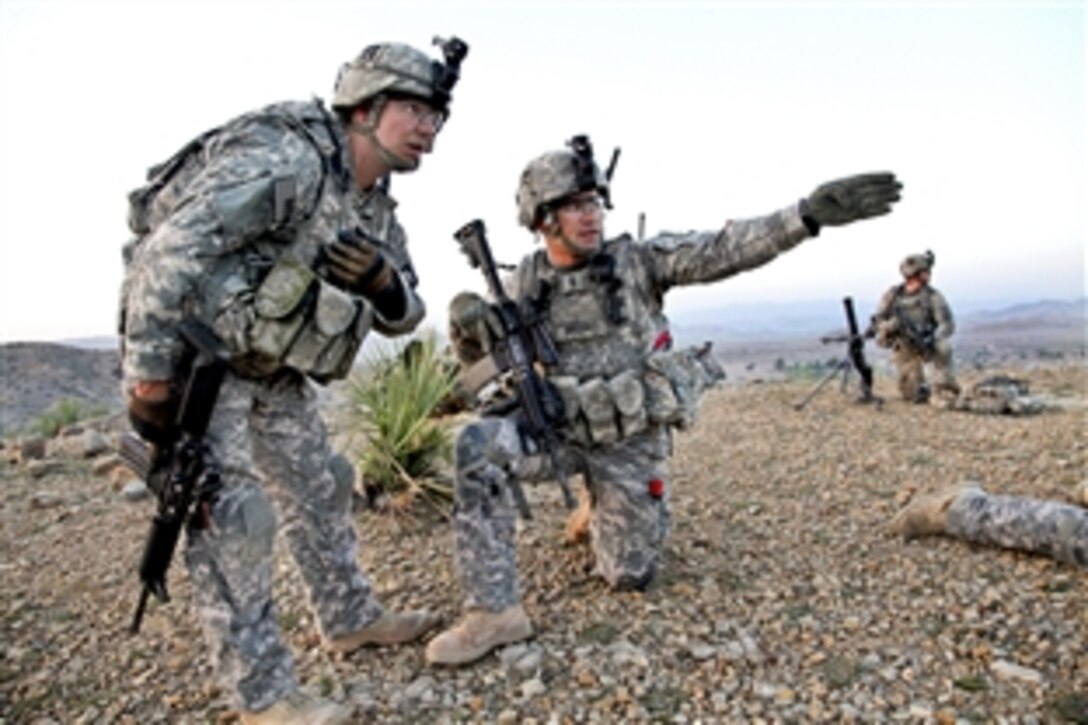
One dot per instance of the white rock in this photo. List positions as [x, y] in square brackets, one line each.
[1012, 671]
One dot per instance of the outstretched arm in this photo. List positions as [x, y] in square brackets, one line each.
[698, 257]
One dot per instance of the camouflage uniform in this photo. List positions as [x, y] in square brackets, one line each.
[623, 390]
[1050, 528]
[999, 395]
[903, 320]
[623, 387]
[230, 231]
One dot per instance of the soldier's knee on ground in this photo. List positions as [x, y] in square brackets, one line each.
[630, 569]
[634, 581]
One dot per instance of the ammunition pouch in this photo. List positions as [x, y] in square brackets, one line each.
[155, 421]
[666, 393]
[305, 323]
[675, 381]
[603, 410]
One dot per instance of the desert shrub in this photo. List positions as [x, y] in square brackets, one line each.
[805, 370]
[392, 401]
[63, 413]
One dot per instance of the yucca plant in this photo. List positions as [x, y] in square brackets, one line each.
[393, 400]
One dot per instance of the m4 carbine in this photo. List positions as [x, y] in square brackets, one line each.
[184, 476]
[524, 343]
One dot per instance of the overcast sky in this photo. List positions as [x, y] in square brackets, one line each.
[722, 110]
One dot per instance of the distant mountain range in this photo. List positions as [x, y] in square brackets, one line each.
[775, 321]
[800, 319]
[36, 375]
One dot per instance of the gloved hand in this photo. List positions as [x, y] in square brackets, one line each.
[358, 266]
[473, 326]
[153, 411]
[849, 199]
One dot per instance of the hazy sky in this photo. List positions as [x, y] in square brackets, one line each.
[722, 110]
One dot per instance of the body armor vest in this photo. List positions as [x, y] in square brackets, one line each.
[270, 306]
[603, 317]
[616, 372]
[916, 309]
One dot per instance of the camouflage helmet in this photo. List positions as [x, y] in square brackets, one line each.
[557, 174]
[915, 263]
[399, 68]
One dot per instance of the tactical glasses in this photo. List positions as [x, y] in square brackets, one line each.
[422, 114]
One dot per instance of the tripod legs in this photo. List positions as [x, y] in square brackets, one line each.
[843, 366]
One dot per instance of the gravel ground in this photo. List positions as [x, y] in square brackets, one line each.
[781, 599]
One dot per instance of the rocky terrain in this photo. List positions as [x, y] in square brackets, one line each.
[781, 599]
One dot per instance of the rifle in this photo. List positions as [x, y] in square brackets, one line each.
[184, 476]
[921, 340]
[524, 343]
[855, 359]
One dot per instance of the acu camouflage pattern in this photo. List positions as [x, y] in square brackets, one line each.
[271, 187]
[260, 194]
[998, 395]
[385, 68]
[275, 458]
[629, 520]
[1054, 529]
[928, 314]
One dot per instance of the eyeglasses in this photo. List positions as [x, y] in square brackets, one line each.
[423, 114]
[582, 205]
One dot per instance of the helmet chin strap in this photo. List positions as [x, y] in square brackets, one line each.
[393, 161]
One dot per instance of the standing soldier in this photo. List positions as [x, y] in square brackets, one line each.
[622, 384]
[1050, 528]
[275, 230]
[914, 319]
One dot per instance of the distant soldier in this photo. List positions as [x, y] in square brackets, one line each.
[967, 512]
[915, 321]
[623, 386]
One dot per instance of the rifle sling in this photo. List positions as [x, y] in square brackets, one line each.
[479, 374]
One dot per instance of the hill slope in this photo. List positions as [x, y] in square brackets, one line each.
[36, 375]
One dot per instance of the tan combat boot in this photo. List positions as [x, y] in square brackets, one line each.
[479, 632]
[299, 709]
[926, 515]
[390, 628]
[578, 521]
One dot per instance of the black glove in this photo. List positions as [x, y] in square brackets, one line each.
[849, 199]
[358, 266]
[473, 326]
[155, 421]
